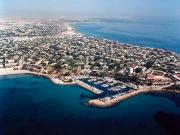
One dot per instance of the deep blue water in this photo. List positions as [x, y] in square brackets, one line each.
[163, 35]
[35, 106]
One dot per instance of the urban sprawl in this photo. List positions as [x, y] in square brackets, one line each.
[112, 70]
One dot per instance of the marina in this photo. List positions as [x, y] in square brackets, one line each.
[109, 86]
[39, 106]
[113, 91]
[108, 91]
[89, 87]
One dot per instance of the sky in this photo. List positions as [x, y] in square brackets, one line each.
[168, 9]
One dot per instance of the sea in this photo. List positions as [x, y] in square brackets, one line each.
[154, 34]
[31, 105]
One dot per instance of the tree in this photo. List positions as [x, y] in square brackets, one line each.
[149, 64]
[111, 66]
[67, 74]
[4, 62]
[138, 70]
[57, 66]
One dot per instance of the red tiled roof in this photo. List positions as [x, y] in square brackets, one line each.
[133, 65]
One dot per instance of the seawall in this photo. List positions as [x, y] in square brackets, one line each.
[111, 102]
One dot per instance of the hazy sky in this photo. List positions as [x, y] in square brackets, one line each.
[169, 9]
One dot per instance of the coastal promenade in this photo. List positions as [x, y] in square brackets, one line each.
[146, 89]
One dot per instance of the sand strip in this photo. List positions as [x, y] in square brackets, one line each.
[10, 71]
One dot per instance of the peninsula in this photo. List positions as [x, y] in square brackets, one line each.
[112, 70]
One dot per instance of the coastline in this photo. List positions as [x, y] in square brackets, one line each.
[10, 71]
[94, 102]
[120, 41]
[71, 31]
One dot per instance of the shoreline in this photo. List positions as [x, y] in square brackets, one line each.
[71, 31]
[94, 102]
[105, 101]
[120, 42]
[9, 71]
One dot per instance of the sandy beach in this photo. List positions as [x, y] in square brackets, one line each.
[10, 71]
[70, 31]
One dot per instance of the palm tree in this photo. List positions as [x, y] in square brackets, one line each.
[4, 62]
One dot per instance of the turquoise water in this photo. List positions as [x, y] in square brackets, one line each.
[35, 106]
[164, 35]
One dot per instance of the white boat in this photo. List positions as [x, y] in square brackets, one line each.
[105, 85]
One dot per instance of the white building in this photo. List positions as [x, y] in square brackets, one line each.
[131, 70]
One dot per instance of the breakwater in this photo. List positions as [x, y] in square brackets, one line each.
[111, 102]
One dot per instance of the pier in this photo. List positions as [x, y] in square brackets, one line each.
[88, 87]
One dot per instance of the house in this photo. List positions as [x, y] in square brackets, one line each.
[132, 68]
